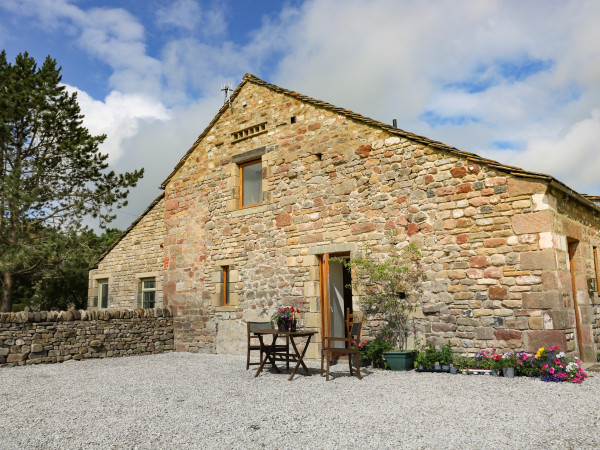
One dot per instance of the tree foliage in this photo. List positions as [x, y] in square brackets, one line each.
[52, 172]
[62, 281]
[389, 285]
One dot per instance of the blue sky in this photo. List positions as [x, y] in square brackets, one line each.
[518, 82]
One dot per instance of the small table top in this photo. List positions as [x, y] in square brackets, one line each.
[287, 333]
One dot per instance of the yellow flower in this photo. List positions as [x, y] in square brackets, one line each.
[539, 352]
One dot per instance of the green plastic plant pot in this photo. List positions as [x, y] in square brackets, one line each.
[400, 361]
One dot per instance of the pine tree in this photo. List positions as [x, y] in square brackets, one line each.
[52, 172]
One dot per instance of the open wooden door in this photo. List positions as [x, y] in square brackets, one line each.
[336, 296]
[324, 292]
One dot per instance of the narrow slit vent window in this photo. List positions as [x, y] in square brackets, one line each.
[245, 133]
[225, 285]
[251, 183]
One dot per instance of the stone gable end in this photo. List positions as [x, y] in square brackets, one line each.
[138, 255]
[494, 243]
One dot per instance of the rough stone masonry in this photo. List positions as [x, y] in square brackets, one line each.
[504, 249]
[57, 336]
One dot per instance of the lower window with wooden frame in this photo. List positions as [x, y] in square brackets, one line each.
[147, 292]
[224, 286]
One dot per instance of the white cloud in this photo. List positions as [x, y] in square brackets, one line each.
[181, 14]
[112, 35]
[119, 116]
[189, 16]
[575, 156]
[117, 38]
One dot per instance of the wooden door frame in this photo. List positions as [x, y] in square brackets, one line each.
[324, 288]
[572, 246]
[324, 292]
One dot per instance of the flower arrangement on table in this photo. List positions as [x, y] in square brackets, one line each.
[285, 315]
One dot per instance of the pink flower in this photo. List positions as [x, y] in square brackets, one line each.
[551, 370]
[557, 361]
[545, 367]
[550, 349]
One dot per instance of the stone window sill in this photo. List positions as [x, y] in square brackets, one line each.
[228, 308]
[250, 210]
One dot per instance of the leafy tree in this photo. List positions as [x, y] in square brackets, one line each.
[389, 286]
[52, 173]
[63, 282]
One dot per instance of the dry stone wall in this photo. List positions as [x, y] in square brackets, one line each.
[138, 255]
[51, 337]
[493, 250]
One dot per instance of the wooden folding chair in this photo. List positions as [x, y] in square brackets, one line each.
[349, 320]
[282, 351]
[351, 348]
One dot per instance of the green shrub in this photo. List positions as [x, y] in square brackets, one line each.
[428, 356]
[376, 349]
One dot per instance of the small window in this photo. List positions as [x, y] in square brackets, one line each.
[250, 183]
[102, 294]
[225, 285]
[148, 292]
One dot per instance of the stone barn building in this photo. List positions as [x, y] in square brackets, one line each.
[279, 182]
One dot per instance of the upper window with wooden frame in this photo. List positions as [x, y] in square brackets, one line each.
[251, 183]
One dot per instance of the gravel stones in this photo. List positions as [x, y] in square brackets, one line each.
[183, 400]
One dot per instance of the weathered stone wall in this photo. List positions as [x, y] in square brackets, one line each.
[493, 252]
[138, 255]
[582, 225]
[51, 337]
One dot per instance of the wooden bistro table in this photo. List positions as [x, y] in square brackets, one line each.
[270, 349]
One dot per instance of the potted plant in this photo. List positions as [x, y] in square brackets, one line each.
[390, 285]
[446, 357]
[363, 354]
[376, 350]
[508, 362]
[428, 359]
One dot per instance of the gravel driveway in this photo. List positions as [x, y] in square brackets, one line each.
[182, 400]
